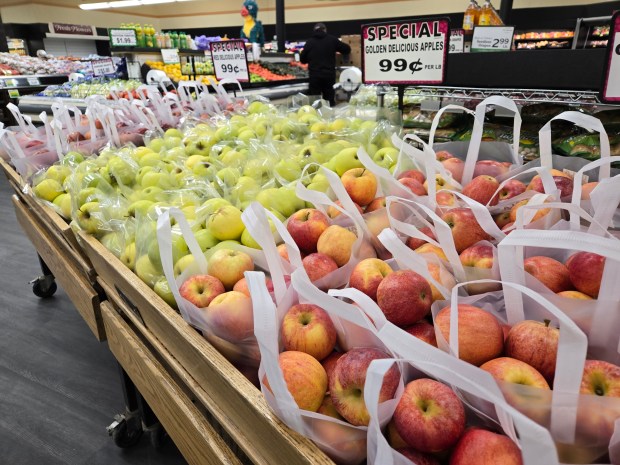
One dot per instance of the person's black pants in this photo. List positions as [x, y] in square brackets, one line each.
[323, 86]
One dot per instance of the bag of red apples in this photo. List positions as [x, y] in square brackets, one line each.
[537, 355]
[433, 419]
[315, 350]
[574, 266]
[211, 293]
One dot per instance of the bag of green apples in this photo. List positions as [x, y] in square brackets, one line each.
[453, 428]
[210, 289]
[327, 250]
[542, 370]
[315, 350]
[600, 198]
[574, 266]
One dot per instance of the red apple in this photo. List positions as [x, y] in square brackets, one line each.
[414, 174]
[415, 186]
[536, 344]
[515, 371]
[480, 335]
[418, 457]
[306, 226]
[587, 189]
[308, 328]
[305, 379]
[465, 228]
[394, 438]
[229, 265]
[445, 199]
[423, 330]
[327, 408]
[548, 271]
[368, 274]
[283, 251]
[429, 248]
[429, 416]
[413, 242]
[478, 255]
[562, 182]
[360, 184]
[505, 330]
[376, 204]
[600, 378]
[502, 219]
[329, 363]
[539, 213]
[585, 270]
[575, 295]
[482, 189]
[478, 446]
[337, 242]
[491, 168]
[404, 297]
[230, 316]
[318, 265]
[511, 189]
[242, 286]
[201, 289]
[443, 155]
[346, 386]
[455, 166]
[333, 212]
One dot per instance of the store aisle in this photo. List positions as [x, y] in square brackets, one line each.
[59, 387]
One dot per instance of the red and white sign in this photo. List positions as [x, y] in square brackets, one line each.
[405, 52]
[230, 60]
[103, 67]
[76, 29]
[611, 80]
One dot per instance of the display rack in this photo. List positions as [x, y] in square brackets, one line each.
[12, 87]
[585, 32]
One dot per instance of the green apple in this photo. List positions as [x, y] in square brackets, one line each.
[152, 193]
[248, 240]
[257, 168]
[58, 172]
[332, 148]
[245, 135]
[172, 132]
[183, 263]
[158, 179]
[288, 169]
[234, 158]
[86, 195]
[338, 125]
[194, 160]
[229, 176]
[115, 242]
[140, 207]
[210, 206]
[128, 256]
[175, 155]
[226, 224]
[203, 168]
[141, 172]
[308, 119]
[179, 249]
[162, 289]
[146, 271]
[189, 211]
[122, 171]
[386, 157]
[306, 109]
[63, 202]
[172, 142]
[48, 189]
[205, 239]
[345, 160]
[245, 189]
[72, 158]
[256, 107]
[89, 217]
[149, 159]
[199, 147]
[283, 199]
[319, 186]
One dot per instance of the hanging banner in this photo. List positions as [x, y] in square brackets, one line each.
[75, 29]
[611, 74]
[405, 52]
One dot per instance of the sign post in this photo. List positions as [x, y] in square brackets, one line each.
[230, 60]
[405, 53]
[610, 92]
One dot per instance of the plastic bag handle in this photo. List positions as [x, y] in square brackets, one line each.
[437, 120]
[476, 135]
[580, 119]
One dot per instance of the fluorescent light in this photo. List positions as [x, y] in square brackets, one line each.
[124, 3]
[94, 6]
[153, 2]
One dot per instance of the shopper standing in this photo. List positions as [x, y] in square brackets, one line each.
[320, 55]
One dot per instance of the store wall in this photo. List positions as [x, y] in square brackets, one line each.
[38, 13]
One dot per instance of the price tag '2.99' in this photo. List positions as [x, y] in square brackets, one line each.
[611, 75]
[492, 38]
[405, 52]
[230, 60]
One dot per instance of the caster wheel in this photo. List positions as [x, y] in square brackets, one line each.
[158, 437]
[43, 289]
[123, 437]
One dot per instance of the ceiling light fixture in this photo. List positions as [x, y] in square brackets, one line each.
[125, 3]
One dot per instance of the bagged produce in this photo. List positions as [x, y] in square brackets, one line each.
[307, 411]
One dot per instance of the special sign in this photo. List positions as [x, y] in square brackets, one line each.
[230, 60]
[611, 75]
[405, 52]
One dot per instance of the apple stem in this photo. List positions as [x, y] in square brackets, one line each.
[547, 323]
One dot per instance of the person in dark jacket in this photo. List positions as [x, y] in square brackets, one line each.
[320, 55]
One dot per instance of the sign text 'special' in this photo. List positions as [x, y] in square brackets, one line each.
[403, 31]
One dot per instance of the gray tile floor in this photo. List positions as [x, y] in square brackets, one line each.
[59, 387]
